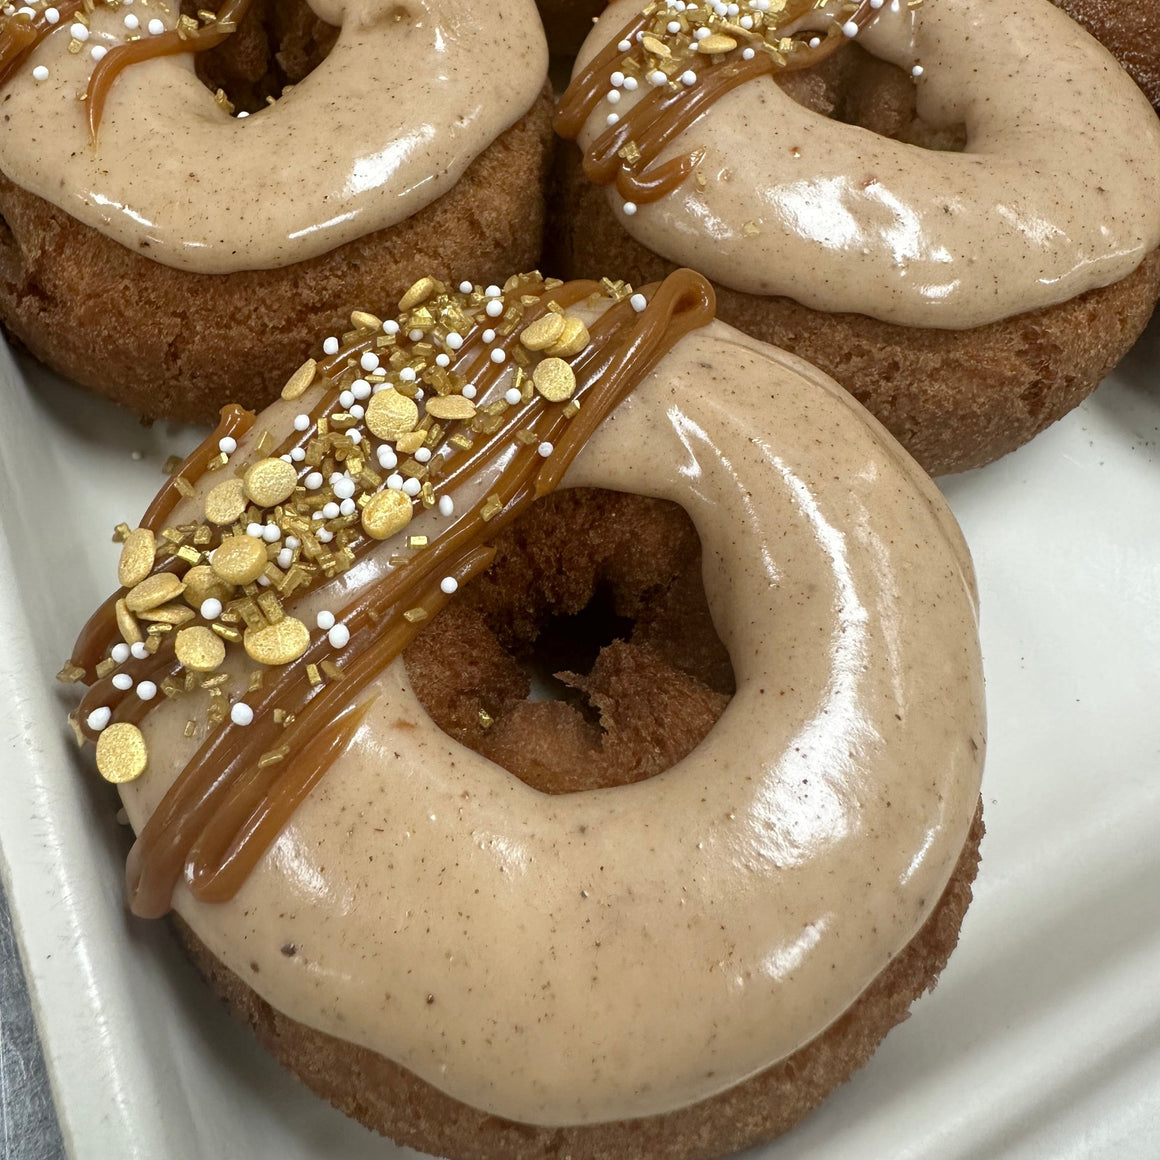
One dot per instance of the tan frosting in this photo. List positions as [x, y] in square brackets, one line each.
[383, 127]
[1058, 191]
[623, 952]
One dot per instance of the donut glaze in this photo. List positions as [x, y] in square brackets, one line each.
[615, 953]
[1057, 192]
[408, 97]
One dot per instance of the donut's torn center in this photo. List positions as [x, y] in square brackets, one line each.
[278, 44]
[586, 656]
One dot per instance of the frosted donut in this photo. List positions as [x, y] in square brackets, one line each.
[1130, 32]
[970, 292]
[475, 967]
[176, 260]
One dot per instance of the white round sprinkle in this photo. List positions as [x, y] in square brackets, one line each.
[612, 96]
[388, 460]
[465, 287]
[330, 511]
[344, 487]
[488, 335]
[390, 326]
[52, 15]
[498, 355]
[917, 71]
[395, 482]
[423, 455]
[347, 507]
[361, 389]
[325, 620]
[545, 449]
[229, 445]
[630, 84]
[122, 681]
[211, 608]
[139, 651]
[624, 46]
[301, 422]
[616, 80]
[407, 374]
[97, 52]
[454, 340]
[323, 535]
[849, 29]
[747, 54]
[468, 392]
[285, 559]
[77, 31]
[494, 307]
[612, 118]
[120, 652]
[99, 718]
[132, 23]
[701, 33]
[297, 454]
[40, 73]
[346, 400]
[412, 487]
[448, 584]
[415, 335]
[815, 41]
[512, 397]
[271, 533]
[313, 481]
[292, 542]
[688, 78]
[656, 77]
[156, 27]
[146, 690]
[441, 360]
[241, 713]
[492, 292]
[330, 345]
[446, 505]
[369, 361]
[255, 530]
[673, 26]
[339, 636]
[355, 436]
[629, 208]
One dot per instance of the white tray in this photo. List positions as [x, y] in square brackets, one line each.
[1043, 1038]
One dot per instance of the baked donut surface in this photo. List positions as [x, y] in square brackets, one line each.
[1130, 32]
[561, 960]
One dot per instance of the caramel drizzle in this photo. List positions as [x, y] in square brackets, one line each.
[237, 793]
[22, 33]
[671, 109]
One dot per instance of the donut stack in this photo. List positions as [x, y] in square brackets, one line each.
[652, 886]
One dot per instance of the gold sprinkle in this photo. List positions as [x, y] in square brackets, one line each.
[202, 583]
[410, 442]
[657, 47]
[278, 644]
[154, 591]
[542, 333]
[270, 482]
[629, 152]
[386, 513]
[365, 320]
[168, 614]
[273, 756]
[121, 533]
[70, 674]
[572, 409]
[301, 380]
[492, 506]
[486, 720]
[126, 624]
[391, 414]
[554, 379]
[172, 465]
[106, 667]
[313, 675]
[450, 407]
[418, 294]
[416, 541]
[121, 753]
[240, 559]
[184, 487]
[271, 607]
[226, 502]
[257, 679]
[572, 340]
[188, 554]
[750, 229]
[715, 43]
[199, 649]
[136, 561]
[190, 728]
[333, 671]
[414, 615]
[463, 442]
[226, 632]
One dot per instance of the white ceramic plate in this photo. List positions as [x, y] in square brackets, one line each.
[1043, 1038]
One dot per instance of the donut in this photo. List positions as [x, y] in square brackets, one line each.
[1130, 32]
[568, 22]
[662, 914]
[170, 249]
[902, 205]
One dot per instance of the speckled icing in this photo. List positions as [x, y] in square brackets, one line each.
[628, 951]
[384, 126]
[1058, 191]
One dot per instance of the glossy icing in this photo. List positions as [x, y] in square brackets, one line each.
[621, 952]
[384, 126]
[1058, 191]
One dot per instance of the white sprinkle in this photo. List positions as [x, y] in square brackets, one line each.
[313, 481]
[330, 511]
[323, 535]
[624, 46]
[407, 374]
[612, 118]
[388, 460]
[344, 487]
[325, 620]
[446, 505]
[454, 340]
[390, 326]
[815, 41]
[156, 27]
[229, 445]
[656, 77]
[369, 361]
[301, 422]
[545, 449]
[850, 29]
[297, 454]
[132, 23]
[498, 355]
[917, 71]
[747, 54]
[77, 31]
[468, 391]
[339, 636]
[52, 15]
[412, 487]
[293, 542]
[241, 713]
[285, 559]
[255, 530]
[673, 26]
[494, 307]
[701, 33]
[211, 608]
[631, 84]
[746, 22]
[395, 482]
[242, 115]
[616, 80]
[120, 652]
[488, 335]
[448, 585]
[512, 397]
[638, 302]
[40, 73]
[492, 292]
[146, 690]
[97, 52]
[423, 455]
[465, 287]
[361, 389]
[612, 96]
[122, 681]
[629, 208]
[99, 718]
[330, 345]
[441, 360]
[139, 651]
[876, 4]
[347, 507]
[346, 400]
[415, 335]
[271, 533]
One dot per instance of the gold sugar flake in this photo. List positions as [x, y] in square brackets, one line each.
[121, 533]
[199, 650]
[385, 514]
[137, 554]
[572, 340]
[184, 487]
[278, 644]
[554, 379]
[121, 753]
[415, 615]
[154, 591]
[391, 414]
[450, 407]
[202, 584]
[544, 332]
[365, 320]
[240, 559]
[170, 615]
[333, 671]
[486, 720]
[70, 674]
[270, 482]
[301, 380]
[106, 667]
[492, 506]
[410, 442]
[313, 675]
[226, 502]
[416, 541]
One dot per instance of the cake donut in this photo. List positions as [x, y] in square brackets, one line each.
[465, 956]
[961, 233]
[171, 249]
[1130, 32]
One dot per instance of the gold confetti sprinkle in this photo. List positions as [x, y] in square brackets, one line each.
[716, 43]
[333, 671]
[226, 632]
[154, 591]
[270, 482]
[106, 667]
[450, 407]
[301, 380]
[410, 442]
[365, 320]
[126, 624]
[172, 465]
[226, 502]
[313, 675]
[416, 541]
[168, 614]
[121, 533]
[554, 379]
[199, 650]
[70, 674]
[418, 294]
[386, 513]
[542, 333]
[202, 584]
[240, 559]
[121, 753]
[415, 615]
[572, 340]
[278, 644]
[656, 47]
[492, 506]
[391, 414]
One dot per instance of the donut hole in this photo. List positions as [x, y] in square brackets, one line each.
[278, 43]
[585, 657]
[856, 88]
